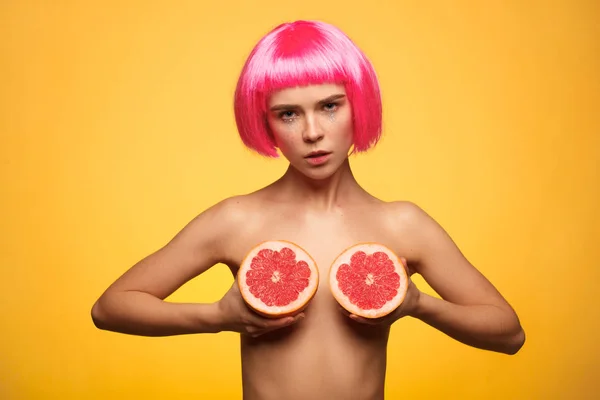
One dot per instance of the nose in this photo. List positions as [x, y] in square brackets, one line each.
[312, 131]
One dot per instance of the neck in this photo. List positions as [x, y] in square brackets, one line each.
[323, 194]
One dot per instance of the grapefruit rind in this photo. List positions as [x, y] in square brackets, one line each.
[344, 301]
[303, 298]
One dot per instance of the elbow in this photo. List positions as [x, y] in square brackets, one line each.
[515, 342]
[513, 337]
[98, 315]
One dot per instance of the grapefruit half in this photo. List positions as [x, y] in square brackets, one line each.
[368, 280]
[278, 278]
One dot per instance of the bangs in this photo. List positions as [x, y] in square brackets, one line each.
[316, 66]
[304, 55]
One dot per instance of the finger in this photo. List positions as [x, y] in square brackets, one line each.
[344, 311]
[299, 317]
[257, 330]
[362, 320]
[404, 262]
[408, 270]
[295, 319]
[274, 324]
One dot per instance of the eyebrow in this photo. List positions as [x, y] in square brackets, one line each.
[324, 101]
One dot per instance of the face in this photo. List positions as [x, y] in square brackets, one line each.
[312, 126]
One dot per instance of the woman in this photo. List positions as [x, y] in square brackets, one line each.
[309, 92]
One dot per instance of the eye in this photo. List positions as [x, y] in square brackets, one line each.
[286, 116]
[330, 106]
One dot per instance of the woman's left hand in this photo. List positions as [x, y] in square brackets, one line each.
[408, 307]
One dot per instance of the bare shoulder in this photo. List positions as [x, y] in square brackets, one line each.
[216, 219]
[225, 218]
[408, 219]
[405, 211]
[227, 212]
[421, 235]
[222, 220]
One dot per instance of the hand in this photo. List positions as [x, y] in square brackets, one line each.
[236, 316]
[408, 306]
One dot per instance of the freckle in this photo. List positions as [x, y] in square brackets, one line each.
[292, 128]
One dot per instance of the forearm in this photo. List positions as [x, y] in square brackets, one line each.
[483, 326]
[138, 313]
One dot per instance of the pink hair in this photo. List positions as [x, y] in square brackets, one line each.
[303, 53]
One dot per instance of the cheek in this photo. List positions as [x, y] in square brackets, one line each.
[284, 133]
[341, 124]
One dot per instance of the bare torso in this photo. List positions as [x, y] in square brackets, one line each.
[326, 355]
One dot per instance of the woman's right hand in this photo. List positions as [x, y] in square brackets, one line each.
[236, 316]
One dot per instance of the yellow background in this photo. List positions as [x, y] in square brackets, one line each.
[117, 128]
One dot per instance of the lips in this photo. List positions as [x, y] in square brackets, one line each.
[318, 153]
[317, 158]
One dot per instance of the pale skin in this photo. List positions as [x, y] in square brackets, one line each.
[323, 352]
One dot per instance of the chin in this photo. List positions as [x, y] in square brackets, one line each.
[318, 173]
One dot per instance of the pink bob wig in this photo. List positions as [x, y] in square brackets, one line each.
[303, 53]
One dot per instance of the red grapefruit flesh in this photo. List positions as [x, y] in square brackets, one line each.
[368, 280]
[278, 278]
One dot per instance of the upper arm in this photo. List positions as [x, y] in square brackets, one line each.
[437, 258]
[197, 247]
